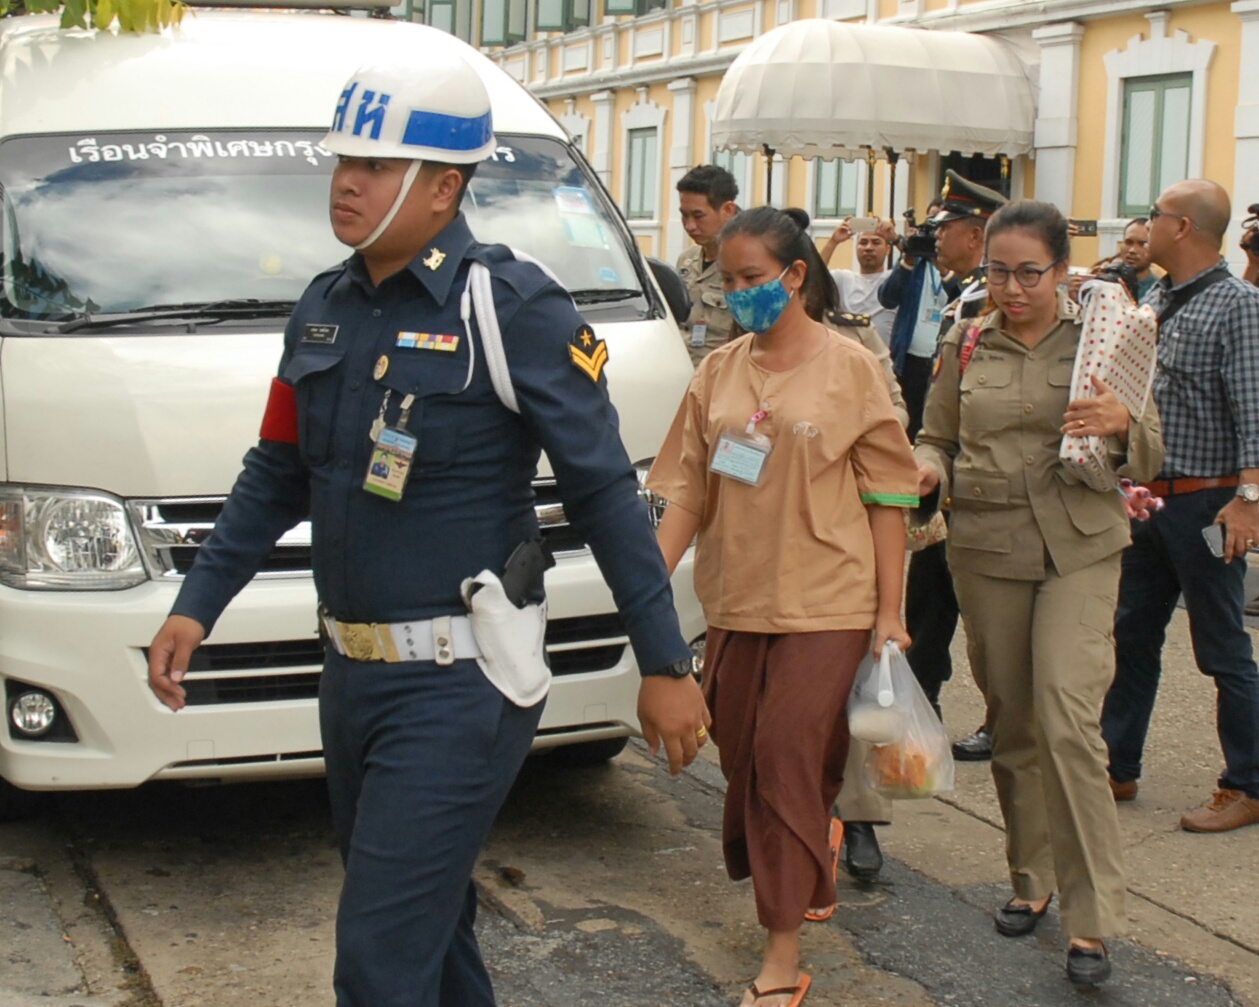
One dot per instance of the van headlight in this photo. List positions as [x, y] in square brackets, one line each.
[655, 503]
[66, 540]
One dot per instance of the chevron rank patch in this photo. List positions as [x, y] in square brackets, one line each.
[588, 353]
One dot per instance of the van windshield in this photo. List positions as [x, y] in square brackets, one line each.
[120, 223]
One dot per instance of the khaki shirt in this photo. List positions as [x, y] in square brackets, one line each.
[793, 553]
[993, 435]
[708, 303]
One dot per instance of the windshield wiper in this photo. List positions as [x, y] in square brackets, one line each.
[210, 310]
[594, 295]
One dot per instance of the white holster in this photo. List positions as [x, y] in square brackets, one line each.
[512, 640]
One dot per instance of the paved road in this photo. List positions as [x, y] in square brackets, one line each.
[605, 886]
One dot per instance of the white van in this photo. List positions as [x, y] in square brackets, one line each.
[165, 203]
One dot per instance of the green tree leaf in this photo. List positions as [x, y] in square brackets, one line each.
[74, 14]
[131, 15]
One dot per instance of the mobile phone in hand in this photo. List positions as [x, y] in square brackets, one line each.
[859, 225]
[1084, 228]
[1214, 535]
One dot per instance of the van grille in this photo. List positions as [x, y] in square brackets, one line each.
[171, 531]
[222, 674]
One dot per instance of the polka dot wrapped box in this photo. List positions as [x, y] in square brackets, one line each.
[1118, 341]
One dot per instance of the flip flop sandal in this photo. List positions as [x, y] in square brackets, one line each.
[836, 841]
[797, 992]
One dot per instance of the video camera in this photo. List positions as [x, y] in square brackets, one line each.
[920, 239]
[1250, 229]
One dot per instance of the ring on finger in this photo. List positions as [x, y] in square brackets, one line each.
[702, 733]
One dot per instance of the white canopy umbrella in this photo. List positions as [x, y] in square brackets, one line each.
[828, 89]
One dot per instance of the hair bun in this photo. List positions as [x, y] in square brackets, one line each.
[798, 216]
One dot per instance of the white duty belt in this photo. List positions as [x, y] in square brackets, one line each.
[445, 640]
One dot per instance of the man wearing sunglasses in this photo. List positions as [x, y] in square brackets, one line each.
[1207, 391]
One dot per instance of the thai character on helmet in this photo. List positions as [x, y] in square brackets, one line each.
[435, 111]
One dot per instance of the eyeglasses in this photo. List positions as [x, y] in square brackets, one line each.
[1155, 213]
[1027, 276]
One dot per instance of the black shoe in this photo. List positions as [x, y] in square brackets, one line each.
[975, 747]
[1014, 920]
[862, 857]
[1088, 967]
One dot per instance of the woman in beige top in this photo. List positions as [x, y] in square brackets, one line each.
[1035, 560]
[787, 462]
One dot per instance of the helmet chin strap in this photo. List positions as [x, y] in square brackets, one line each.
[413, 169]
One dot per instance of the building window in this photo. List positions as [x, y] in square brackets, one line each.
[835, 189]
[640, 173]
[735, 162]
[977, 168]
[632, 6]
[454, 16]
[561, 15]
[1155, 140]
[502, 22]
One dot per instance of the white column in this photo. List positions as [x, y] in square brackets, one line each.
[904, 179]
[681, 160]
[1245, 128]
[1057, 122]
[778, 184]
[601, 160]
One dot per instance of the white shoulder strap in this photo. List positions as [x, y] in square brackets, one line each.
[478, 296]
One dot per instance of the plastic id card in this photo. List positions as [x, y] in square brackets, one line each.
[391, 463]
[740, 456]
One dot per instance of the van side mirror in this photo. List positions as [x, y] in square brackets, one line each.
[673, 288]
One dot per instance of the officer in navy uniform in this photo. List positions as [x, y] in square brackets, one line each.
[931, 611]
[421, 749]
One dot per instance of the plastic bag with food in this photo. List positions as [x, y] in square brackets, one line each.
[911, 756]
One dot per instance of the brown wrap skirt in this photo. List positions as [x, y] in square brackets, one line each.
[778, 705]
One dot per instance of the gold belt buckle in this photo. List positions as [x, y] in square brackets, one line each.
[359, 640]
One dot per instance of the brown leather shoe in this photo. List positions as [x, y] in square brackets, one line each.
[1125, 791]
[1229, 809]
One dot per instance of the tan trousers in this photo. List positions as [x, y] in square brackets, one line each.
[858, 802]
[1048, 650]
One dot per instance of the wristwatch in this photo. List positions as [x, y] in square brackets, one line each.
[1249, 492]
[678, 669]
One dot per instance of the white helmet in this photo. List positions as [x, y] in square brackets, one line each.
[436, 109]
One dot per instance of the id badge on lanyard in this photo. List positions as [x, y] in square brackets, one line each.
[741, 454]
[392, 453]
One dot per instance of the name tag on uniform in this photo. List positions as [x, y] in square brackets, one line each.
[698, 332]
[741, 457]
[323, 334]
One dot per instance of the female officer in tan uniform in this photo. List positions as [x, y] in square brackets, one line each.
[1036, 562]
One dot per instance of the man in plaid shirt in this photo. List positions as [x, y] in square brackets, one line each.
[1207, 391]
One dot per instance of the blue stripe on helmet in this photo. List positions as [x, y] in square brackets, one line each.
[447, 132]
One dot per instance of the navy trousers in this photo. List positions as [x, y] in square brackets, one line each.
[1168, 557]
[420, 758]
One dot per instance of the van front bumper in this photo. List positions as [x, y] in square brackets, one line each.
[255, 715]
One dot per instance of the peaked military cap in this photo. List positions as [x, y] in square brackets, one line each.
[962, 199]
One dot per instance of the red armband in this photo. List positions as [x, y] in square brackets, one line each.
[279, 422]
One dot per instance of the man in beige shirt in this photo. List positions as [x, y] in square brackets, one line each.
[707, 197]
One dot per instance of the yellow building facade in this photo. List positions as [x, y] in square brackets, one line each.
[1128, 98]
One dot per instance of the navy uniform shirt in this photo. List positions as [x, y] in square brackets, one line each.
[468, 501]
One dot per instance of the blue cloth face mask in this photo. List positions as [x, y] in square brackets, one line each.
[756, 309]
